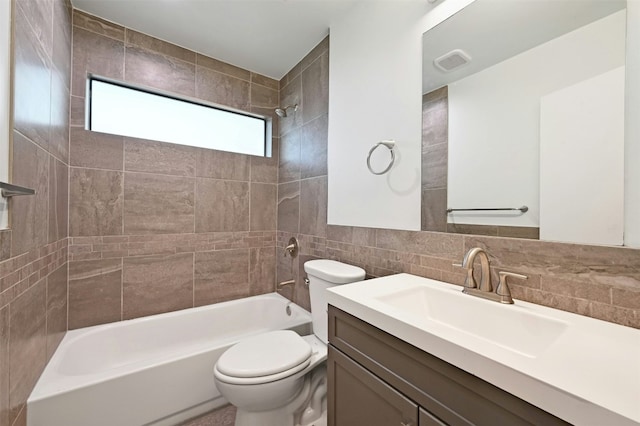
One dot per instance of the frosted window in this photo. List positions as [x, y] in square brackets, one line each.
[126, 111]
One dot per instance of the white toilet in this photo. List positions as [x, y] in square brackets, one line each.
[279, 378]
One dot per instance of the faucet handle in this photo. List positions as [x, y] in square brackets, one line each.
[503, 288]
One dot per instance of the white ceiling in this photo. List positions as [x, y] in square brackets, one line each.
[268, 37]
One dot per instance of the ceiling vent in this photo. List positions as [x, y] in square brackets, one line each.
[452, 60]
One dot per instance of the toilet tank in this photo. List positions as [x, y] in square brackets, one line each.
[322, 274]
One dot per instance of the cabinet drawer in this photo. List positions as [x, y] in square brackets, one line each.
[451, 394]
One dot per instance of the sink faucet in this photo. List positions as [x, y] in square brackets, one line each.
[485, 290]
[467, 263]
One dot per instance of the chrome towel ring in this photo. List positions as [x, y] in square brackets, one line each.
[389, 144]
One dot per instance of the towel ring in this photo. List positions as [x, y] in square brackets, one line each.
[389, 144]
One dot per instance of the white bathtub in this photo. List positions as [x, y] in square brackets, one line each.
[156, 370]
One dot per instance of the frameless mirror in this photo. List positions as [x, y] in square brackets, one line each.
[523, 106]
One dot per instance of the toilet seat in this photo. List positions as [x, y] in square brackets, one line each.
[264, 358]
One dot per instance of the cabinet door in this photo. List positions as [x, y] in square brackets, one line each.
[428, 419]
[358, 398]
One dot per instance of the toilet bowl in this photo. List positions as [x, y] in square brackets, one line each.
[279, 378]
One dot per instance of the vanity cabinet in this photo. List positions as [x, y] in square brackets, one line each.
[378, 379]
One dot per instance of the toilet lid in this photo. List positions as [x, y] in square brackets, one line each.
[265, 354]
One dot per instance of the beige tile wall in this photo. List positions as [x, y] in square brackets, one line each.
[601, 282]
[33, 254]
[302, 179]
[158, 227]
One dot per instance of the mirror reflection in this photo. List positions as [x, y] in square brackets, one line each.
[523, 106]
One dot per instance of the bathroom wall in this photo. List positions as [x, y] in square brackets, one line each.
[33, 253]
[597, 281]
[157, 227]
[302, 176]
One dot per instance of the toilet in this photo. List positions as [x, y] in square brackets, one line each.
[278, 378]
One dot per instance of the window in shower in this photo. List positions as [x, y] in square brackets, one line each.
[124, 110]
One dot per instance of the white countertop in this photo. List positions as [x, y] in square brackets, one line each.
[589, 375]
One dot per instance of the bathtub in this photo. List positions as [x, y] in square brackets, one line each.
[155, 370]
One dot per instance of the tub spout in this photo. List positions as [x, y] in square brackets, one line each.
[285, 283]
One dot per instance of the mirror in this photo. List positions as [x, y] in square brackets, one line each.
[523, 106]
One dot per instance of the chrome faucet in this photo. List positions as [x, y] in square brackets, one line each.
[485, 290]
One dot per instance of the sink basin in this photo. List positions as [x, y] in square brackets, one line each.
[513, 327]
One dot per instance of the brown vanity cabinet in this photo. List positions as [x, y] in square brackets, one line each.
[376, 379]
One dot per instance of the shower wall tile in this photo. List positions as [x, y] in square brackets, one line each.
[159, 157]
[95, 54]
[158, 204]
[265, 169]
[263, 207]
[27, 345]
[265, 97]
[289, 166]
[222, 205]
[4, 366]
[31, 84]
[97, 25]
[315, 89]
[61, 49]
[221, 276]
[96, 150]
[58, 200]
[318, 50]
[135, 38]
[222, 89]
[313, 148]
[313, 206]
[95, 202]
[223, 67]
[57, 295]
[95, 292]
[59, 130]
[29, 214]
[77, 111]
[291, 94]
[5, 244]
[262, 270]
[159, 71]
[39, 14]
[289, 206]
[21, 420]
[265, 81]
[157, 284]
[223, 165]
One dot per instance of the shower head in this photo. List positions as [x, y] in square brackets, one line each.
[282, 112]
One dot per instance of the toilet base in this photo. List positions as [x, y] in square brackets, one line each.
[308, 408]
